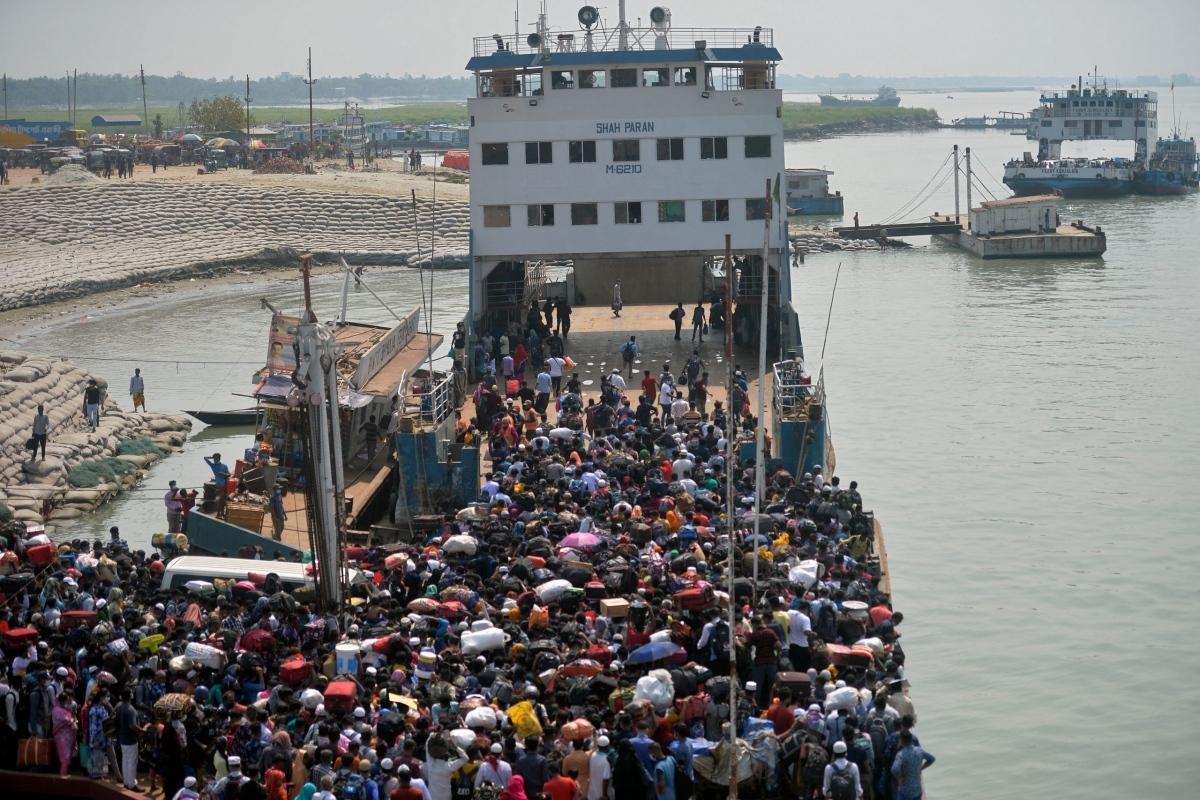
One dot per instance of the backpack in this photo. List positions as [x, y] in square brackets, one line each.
[877, 730]
[232, 787]
[826, 626]
[841, 784]
[719, 641]
[462, 784]
[502, 691]
[488, 791]
[814, 760]
[626, 353]
[352, 788]
[620, 699]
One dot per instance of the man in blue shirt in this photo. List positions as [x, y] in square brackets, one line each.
[681, 750]
[220, 478]
[664, 773]
[641, 745]
[910, 762]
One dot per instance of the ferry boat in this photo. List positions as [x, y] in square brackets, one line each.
[645, 156]
[808, 193]
[886, 98]
[1098, 113]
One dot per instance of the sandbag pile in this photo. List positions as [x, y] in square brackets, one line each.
[71, 241]
[29, 380]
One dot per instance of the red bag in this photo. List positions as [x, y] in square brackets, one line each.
[258, 641]
[73, 619]
[34, 752]
[600, 654]
[384, 646]
[537, 561]
[701, 599]
[340, 697]
[42, 554]
[259, 579]
[355, 553]
[293, 673]
[694, 707]
[452, 609]
[861, 657]
[839, 654]
[19, 638]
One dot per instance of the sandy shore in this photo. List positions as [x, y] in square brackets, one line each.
[75, 240]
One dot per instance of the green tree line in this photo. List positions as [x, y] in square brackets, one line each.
[119, 91]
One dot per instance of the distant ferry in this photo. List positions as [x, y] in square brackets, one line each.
[808, 193]
[887, 97]
[1108, 115]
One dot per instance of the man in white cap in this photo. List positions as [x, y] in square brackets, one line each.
[493, 770]
[841, 776]
[599, 770]
[188, 792]
[227, 786]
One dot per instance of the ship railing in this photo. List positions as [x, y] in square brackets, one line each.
[610, 39]
[428, 407]
[797, 397]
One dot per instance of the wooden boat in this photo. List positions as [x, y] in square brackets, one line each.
[244, 416]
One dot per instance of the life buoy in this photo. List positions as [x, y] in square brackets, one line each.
[1099, 176]
[1021, 176]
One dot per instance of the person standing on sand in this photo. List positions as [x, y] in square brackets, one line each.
[154, 162]
[137, 390]
[698, 320]
[41, 427]
[616, 304]
[677, 316]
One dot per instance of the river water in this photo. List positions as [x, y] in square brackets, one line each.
[1024, 429]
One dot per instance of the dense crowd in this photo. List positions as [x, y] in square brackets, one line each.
[568, 636]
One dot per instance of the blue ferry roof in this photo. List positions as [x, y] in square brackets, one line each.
[506, 59]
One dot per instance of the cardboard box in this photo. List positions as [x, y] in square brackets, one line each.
[614, 607]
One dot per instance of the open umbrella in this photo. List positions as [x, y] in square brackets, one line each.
[580, 540]
[652, 652]
[188, 137]
[254, 144]
[766, 523]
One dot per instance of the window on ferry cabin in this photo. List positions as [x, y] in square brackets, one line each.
[496, 217]
[583, 152]
[685, 76]
[562, 79]
[584, 214]
[654, 77]
[624, 78]
[670, 211]
[758, 147]
[670, 149]
[541, 215]
[592, 79]
[756, 208]
[627, 150]
[539, 153]
[714, 210]
[714, 147]
[628, 213]
[495, 153]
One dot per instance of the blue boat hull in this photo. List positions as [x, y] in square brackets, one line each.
[816, 205]
[1162, 182]
[1068, 187]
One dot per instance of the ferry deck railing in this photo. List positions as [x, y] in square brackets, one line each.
[429, 407]
[609, 39]
[796, 397]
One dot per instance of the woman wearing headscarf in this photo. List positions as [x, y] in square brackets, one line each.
[98, 743]
[515, 790]
[629, 777]
[64, 728]
[174, 745]
[306, 792]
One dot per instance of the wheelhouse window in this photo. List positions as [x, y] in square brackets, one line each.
[655, 77]
[670, 211]
[756, 208]
[623, 78]
[714, 147]
[758, 147]
[497, 216]
[714, 210]
[539, 153]
[670, 149]
[627, 150]
[628, 213]
[562, 79]
[582, 152]
[584, 214]
[592, 79]
[495, 153]
[685, 76]
[541, 215]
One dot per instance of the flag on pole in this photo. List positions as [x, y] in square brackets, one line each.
[776, 193]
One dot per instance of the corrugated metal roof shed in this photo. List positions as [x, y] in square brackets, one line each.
[115, 120]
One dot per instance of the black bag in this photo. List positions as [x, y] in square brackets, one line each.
[570, 600]
[578, 576]
[718, 687]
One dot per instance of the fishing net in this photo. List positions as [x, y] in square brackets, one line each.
[94, 473]
[138, 447]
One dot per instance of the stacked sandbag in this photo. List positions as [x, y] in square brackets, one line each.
[27, 381]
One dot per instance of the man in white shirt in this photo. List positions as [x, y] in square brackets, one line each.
[599, 771]
[799, 626]
[682, 466]
[437, 772]
[137, 390]
[679, 408]
[618, 383]
[844, 769]
[491, 487]
[556, 365]
[494, 770]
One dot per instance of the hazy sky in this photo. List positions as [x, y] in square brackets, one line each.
[218, 38]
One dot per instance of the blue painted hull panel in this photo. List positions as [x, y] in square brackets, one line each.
[816, 205]
[1159, 182]
[1068, 187]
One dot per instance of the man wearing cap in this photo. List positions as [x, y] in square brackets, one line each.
[405, 790]
[840, 775]
[599, 771]
[493, 769]
[226, 788]
[439, 771]
[188, 792]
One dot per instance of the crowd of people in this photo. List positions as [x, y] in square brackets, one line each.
[569, 636]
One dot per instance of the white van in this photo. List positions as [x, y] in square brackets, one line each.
[207, 568]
